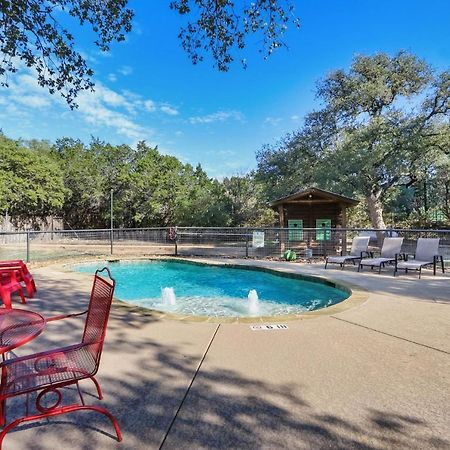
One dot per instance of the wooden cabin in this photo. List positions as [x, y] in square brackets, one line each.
[312, 208]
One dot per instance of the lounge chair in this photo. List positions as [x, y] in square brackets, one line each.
[390, 253]
[359, 248]
[427, 253]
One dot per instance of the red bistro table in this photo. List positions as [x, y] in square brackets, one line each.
[17, 327]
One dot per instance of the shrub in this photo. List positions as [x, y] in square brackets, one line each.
[290, 255]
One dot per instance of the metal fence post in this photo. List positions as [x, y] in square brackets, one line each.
[112, 222]
[28, 246]
[246, 243]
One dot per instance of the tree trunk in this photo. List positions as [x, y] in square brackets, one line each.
[376, 210]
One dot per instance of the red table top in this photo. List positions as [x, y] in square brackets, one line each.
[17, 327]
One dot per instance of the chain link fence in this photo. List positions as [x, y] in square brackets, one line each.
[308, 243]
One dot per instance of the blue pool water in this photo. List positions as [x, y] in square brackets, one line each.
[207, 290]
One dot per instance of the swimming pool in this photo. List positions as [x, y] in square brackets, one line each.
[215, 290]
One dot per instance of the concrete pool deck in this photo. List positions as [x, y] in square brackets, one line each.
[376, 376]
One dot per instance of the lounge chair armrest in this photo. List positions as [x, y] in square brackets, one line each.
[407, 255]
[400, 257]
[65, 316]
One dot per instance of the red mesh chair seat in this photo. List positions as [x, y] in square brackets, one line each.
[38, 371]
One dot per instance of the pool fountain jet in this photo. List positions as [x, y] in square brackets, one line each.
[168, 296]
[253, 302]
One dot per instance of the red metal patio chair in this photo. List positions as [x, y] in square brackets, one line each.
[48, 371]
[22, 274]
[8, 285]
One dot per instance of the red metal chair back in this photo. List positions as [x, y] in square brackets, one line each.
[98, 313]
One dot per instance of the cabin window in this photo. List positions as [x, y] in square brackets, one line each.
[295, 230]
[323, 231]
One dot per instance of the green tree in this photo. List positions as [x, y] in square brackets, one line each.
[246, 205]
[31, 182]
[90, 172]
[221, 27]
[83, 181]
[381, 125]
[31, 31]
[166, 192]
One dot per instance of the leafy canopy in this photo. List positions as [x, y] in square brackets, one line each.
[220, 27]
[31, 183]
[32, 34]
[382, 124]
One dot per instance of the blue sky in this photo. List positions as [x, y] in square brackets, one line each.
[147, 88]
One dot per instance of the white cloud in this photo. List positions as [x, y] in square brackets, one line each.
[149, 105]
[112, 77]
[274, 121]
[109, 96]
[137, 28]
[126, 70]
[295, 117]
[219, 116]
[171, 111]
[103, 54]
[34, 101]
[131, 95]
[25, 91]
[103, 112]
[101, 108]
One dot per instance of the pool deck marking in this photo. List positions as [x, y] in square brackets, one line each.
[269, 327]
[390, 335]
[197, 370]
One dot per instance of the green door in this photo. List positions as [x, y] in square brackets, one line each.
[295, 230]
[323, 232]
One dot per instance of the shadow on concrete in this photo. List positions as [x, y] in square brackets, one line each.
[224, 410]
[145, 381]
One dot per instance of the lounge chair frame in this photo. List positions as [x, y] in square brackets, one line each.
[383, 260]
[420, 264]
[350, 257]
